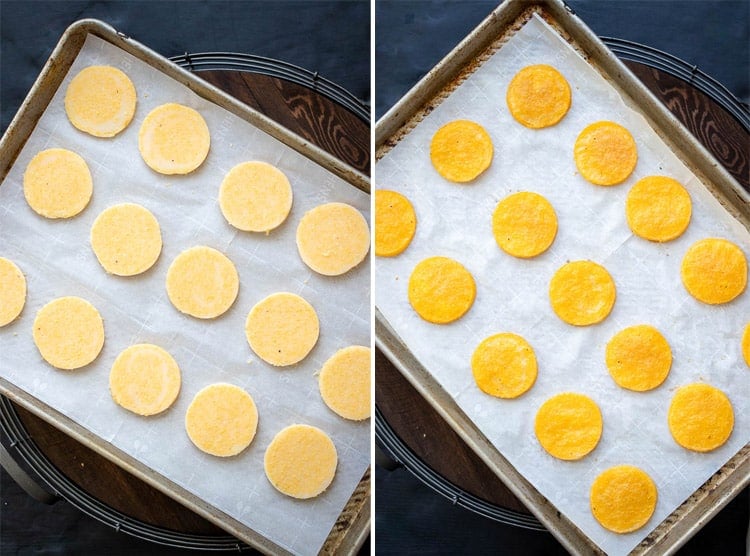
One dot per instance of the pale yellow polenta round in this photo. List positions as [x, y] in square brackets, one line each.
[174, 139]
[524, 224]
[333, 238]
[282, 329]
[746, 344]
[658, 208]
[144, 379]
[714, 271]
[222, 420]
[301, 461]
[638, 358]
[69, 333]
[100, 100]
[344, 383]
[700, 417]
[568, 425]
[12, 291]
[538, 96]
[441, 290]
[395, 223]
[605, 153]
[461, 150]
[255, 197]
[623, 498]
[504, 365]
[202, 282]
[582, 293]
[57, 183]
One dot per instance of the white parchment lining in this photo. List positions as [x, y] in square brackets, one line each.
[455, 221]
[57, 260]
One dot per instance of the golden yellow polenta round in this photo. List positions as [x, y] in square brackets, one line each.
[582, 293]
[605, 153]
[504, 365]
[57, 183]
[221, 420]
[746, 344]
[126, 239]
[658, 208]
[144, 379]
[568, 425]
[623, 498]
[441, 290]
[524, 224]
[461, 150]
[714, 271]
[344, 383]
[395, 223]
[174, 139]
[12, 291]
[538, 96]
[69, 333]
[638, 358]
[100, 100]
[700, 417]
[301, 461]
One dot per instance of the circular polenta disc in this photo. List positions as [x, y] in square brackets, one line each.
[714, 271]
[504, 365]
[344, 383]
[144, 379]
[126, 239]
[301, 461]
[174, 139]
[100, 100]
[222, 420]
[568, 425]
[12, 291]
[395, 223]
[524, 224]
[605, 153]
[638, 358]
[255, 197]
[746, 344]
[658, 208]
[700, 417]
[69, 333]
[461, 150]
[538, 96]
[582, 293]
[282, 329]
[202, 282]
[57, 183]
[333, 238]
[623, 498]
[441, 290]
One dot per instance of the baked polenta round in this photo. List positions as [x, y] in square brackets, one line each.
[605, 153]
[12, 292]
[745, 345]
[57, 183]
[568, 425]
[623, 498]
[395, 223]
[441, 290]
[658, 208]
[714, 271]
[144, 379]
[582, 293]
[100, 100]
[538, 96]
[524, 224]
[504, 365]
[700, 417]
[344, 383]
[461, 150]
[638, 358]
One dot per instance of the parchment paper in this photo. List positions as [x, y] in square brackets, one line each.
[456, 221]
[57, 260]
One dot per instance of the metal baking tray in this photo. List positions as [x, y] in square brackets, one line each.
[439, 82]
[352, 527]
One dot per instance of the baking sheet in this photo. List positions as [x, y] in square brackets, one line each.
[57, 260]
[455, 221]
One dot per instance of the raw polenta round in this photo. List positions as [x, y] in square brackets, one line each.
[282, 329]
[344, 383]
[568, 425]
[461, 150]
[638, 358]
[658, 208]
[605, 153]
[144, 379]
[623, 498]
[714, 271]
[441, 290]
[700, 417]
[524, 224]
[746, 344]
[100, 100]
[174, 139]
[202, 282]
[333, 238]
[582, 293]
[12, 291]
[57, 183]
[301, 461]
[255, 197]
[222, 420]
[395, 223]
[504, 365]
[538, 96]
[126, 239]
[69, 333]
